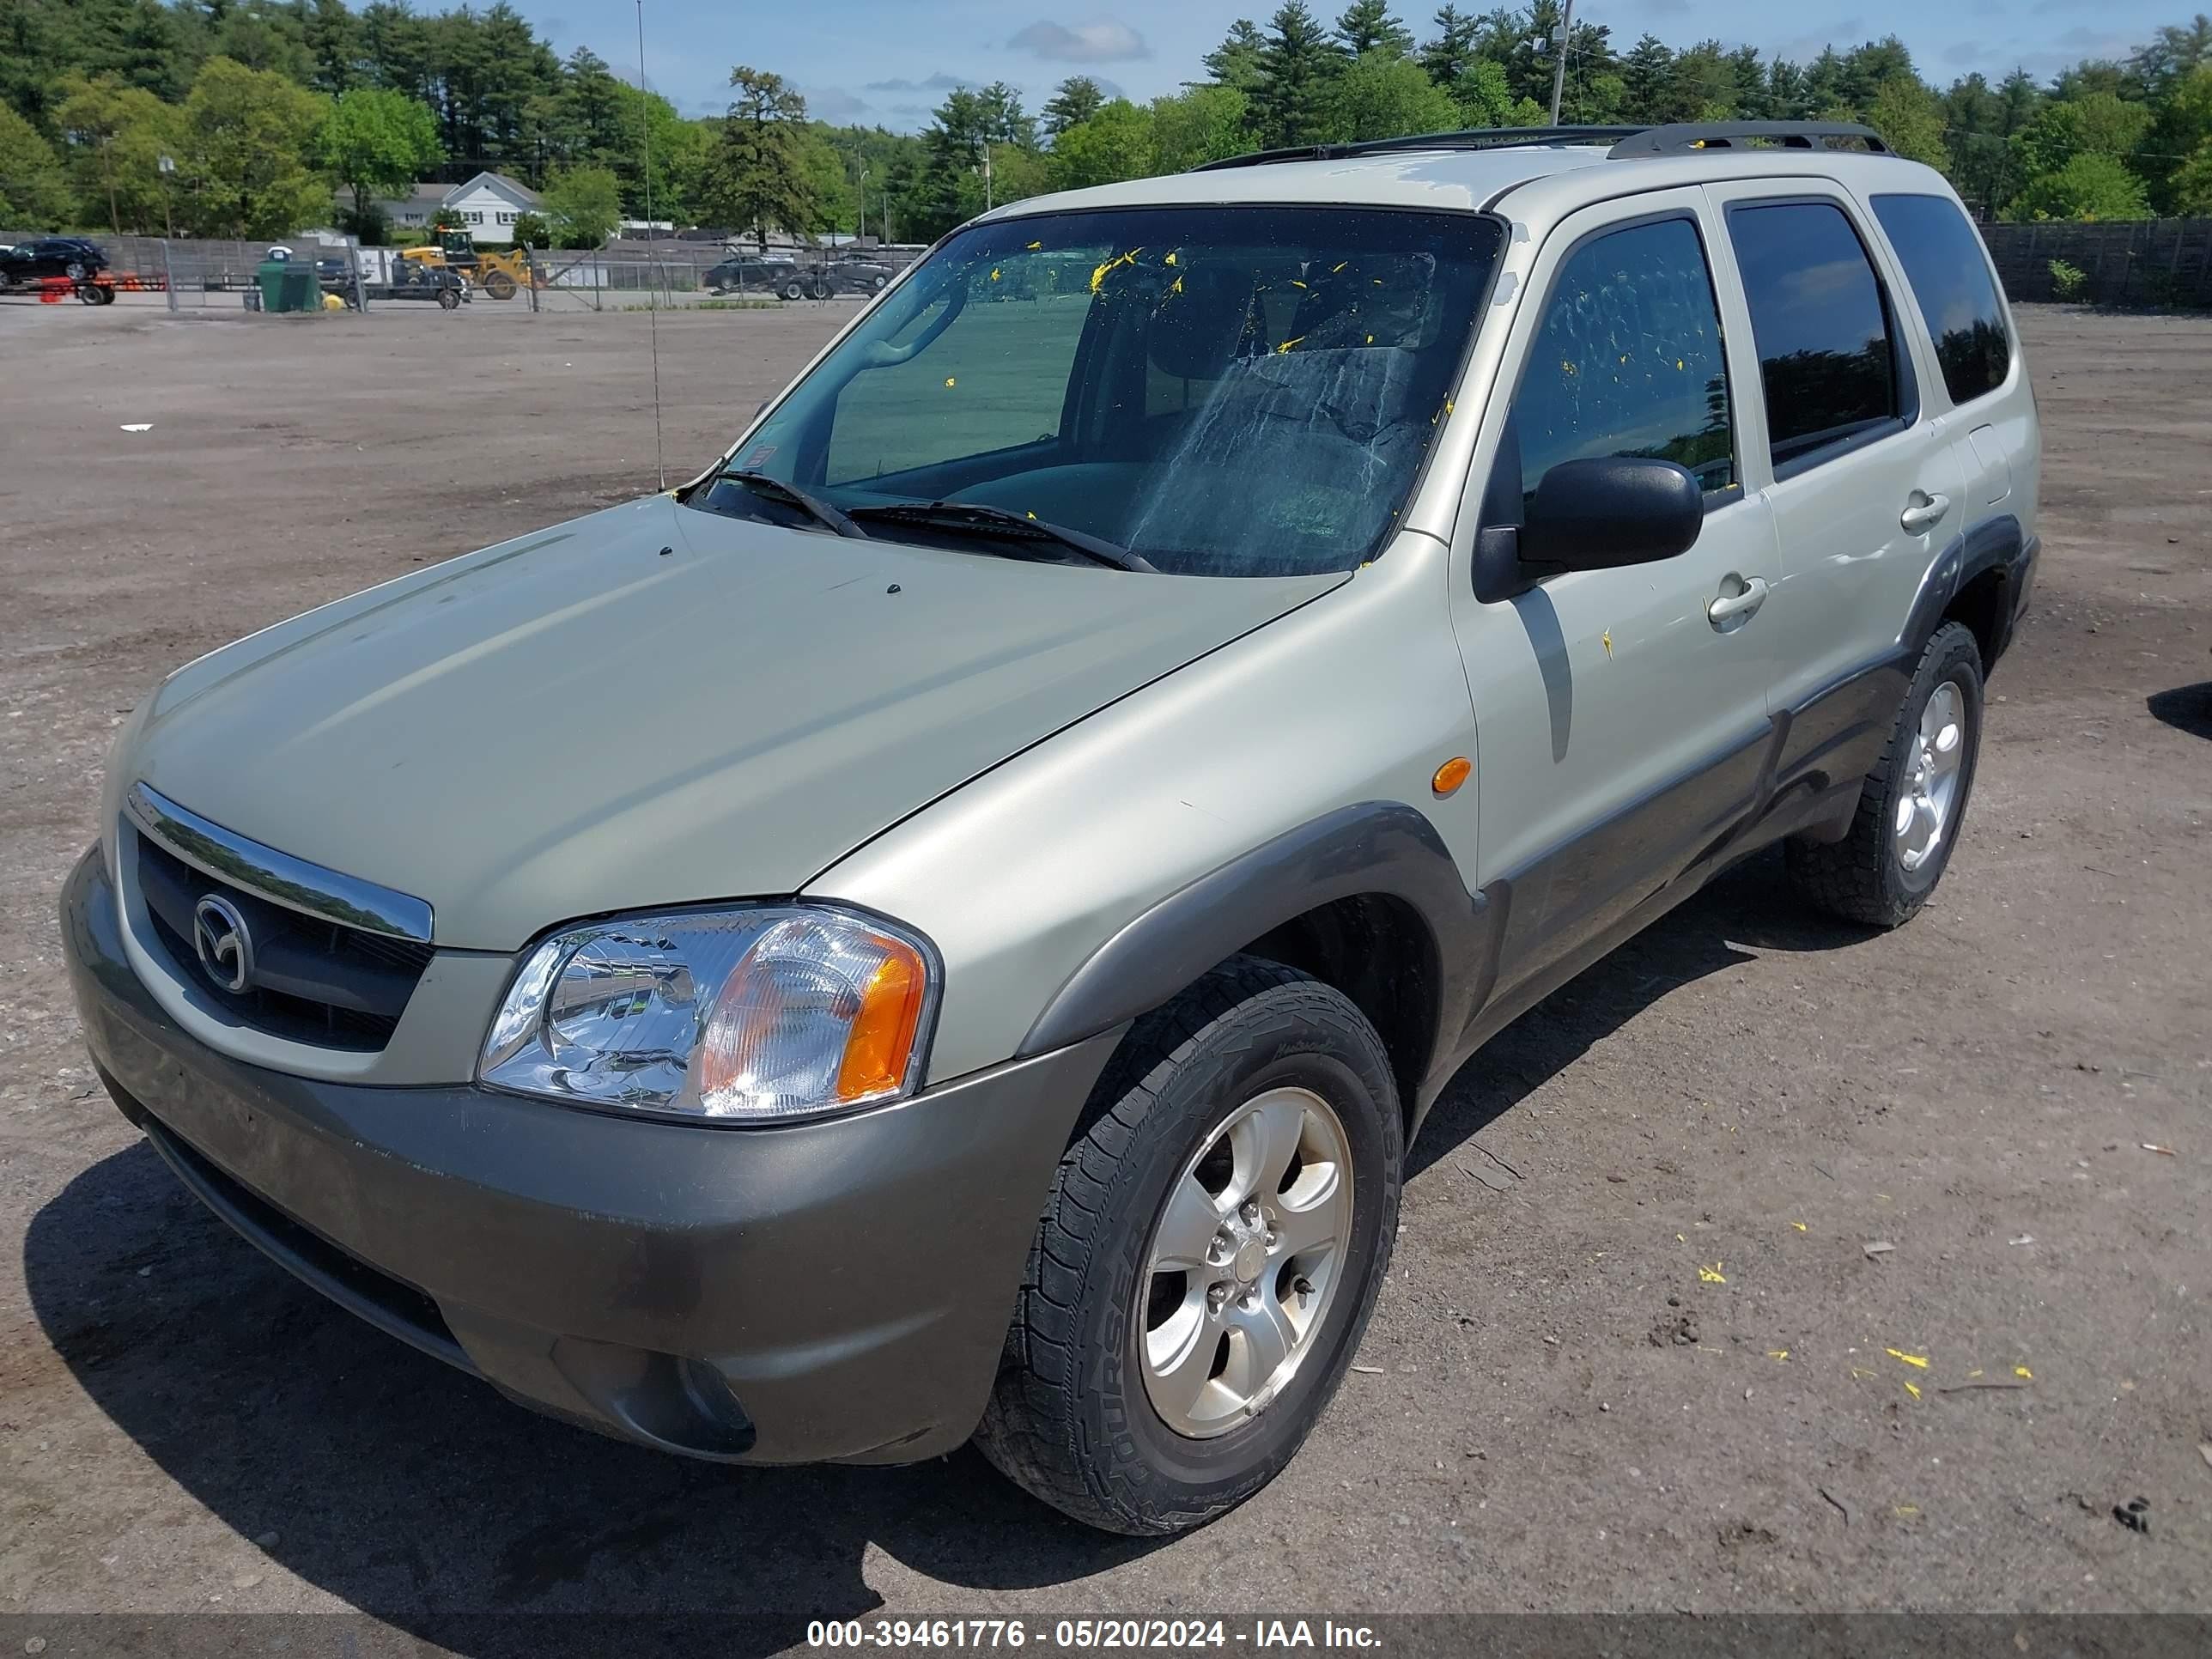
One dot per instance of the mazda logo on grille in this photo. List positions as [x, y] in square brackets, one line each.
[226, 949]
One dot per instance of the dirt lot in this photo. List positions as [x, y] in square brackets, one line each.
[1695, 1141]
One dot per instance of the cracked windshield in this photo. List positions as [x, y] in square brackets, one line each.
[1223, 392]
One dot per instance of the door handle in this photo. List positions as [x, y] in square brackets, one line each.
[1922, 512]
[1737, 606]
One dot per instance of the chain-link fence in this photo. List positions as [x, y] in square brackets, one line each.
[194, 273]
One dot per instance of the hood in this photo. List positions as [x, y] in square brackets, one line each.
[656, 705]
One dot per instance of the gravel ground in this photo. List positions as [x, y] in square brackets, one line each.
[1634, 1354]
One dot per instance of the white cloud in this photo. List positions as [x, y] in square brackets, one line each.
[1103, 42]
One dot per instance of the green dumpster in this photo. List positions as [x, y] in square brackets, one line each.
[287, 285]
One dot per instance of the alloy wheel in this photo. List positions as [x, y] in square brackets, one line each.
[1244, 1261]
[1927, 805]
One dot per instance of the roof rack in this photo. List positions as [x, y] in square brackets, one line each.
[1468, 138]
[1684, 137]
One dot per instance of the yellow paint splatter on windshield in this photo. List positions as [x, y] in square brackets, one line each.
[1099, 275]
[1175, 286]
[1288, 344]
[1034, 246]
[1918, 1360]
[1913, 1389]
[994, 273]
[1170, 259]
[1338, 266]
[1708, 1275]
[950, 381]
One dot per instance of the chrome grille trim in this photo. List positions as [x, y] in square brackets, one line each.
[279, 878]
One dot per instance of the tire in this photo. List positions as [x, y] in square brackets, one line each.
[449, 299]
[498, 285]
[1073, 1417]
[1875, 875]
[791, 290]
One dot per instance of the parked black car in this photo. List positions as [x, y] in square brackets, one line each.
[72, 256]
[746, 274]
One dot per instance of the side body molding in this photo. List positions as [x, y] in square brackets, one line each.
[1371, 847]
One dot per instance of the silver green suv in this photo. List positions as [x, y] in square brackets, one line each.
[945, 925]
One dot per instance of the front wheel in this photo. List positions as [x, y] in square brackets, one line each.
[498, 285]
[792, 291]
[1209, 1257]
[1914, 801]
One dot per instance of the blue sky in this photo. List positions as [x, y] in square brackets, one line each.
[891, 61]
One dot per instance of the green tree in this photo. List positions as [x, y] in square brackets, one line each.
[331, 34]
[117, 137]
[2180, 126]
[33, 190]
[1386, 94]
[533, 230]
[1909, 119]
[1298, 67]
[1077, 99]
[757, 179]
[1239, 60]
[1367, 25]
[1198, 125]
[1647, 76]
[245, 136]
[2192, 183]
[584, 204]
[2097, 123]
[376, 143]
[1980, 121]
[1450, 53]
[263, 34]
[1486, 99]
[2093, 185]
[1115, 145]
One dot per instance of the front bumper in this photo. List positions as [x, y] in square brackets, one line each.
[836, 1290]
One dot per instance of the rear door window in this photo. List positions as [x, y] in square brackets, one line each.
[1629, 359]
[1829, 361]
[1952, 284]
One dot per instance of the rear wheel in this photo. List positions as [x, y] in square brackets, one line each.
[498, 285]
[1913, 802]
[791, 290]
[1209, 1257]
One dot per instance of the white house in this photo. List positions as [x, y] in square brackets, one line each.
[488, 205]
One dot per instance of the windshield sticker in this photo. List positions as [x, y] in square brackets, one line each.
[757, 457]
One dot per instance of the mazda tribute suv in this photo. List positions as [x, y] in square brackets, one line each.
[945, 925]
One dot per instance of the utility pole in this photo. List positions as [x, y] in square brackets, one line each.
[1560, 65]
[987, 175]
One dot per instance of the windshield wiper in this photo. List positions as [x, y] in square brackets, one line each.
[813, 506]
[988, 520]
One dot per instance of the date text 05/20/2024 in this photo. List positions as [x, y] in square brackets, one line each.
[1259, 1635]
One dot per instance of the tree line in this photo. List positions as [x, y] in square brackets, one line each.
[253, 118]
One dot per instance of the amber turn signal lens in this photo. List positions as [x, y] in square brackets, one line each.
[1452, 773]
[882, 1039]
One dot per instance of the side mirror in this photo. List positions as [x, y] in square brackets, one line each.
[1610, 511]
[1599, 513]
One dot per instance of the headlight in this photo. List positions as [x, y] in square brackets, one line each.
[753, 1014]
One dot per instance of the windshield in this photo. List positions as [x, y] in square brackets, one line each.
[1223, 390]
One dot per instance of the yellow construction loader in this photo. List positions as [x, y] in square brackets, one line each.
[495, 275]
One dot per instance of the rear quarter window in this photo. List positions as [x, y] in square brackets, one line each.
[1951, 283]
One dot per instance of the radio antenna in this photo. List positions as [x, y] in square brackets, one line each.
[652, 297]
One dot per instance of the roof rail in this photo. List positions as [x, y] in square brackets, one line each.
[1686, 137]
[1468, 138]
